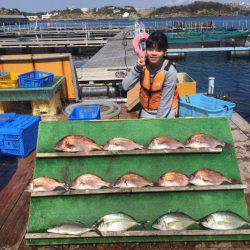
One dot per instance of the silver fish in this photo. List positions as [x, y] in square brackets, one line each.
[45, 183]
[223, 220]
[163, 142]
[121, 144]
[73, 228]
[173, 221]
[89, 181]
[115, 223]
[201, 140]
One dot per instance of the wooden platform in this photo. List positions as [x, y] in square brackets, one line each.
[112, 55]
[15, 204]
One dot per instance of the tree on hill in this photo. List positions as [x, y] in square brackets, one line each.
[199, 8]
[4, 11]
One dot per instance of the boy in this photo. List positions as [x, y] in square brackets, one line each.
[158, 77]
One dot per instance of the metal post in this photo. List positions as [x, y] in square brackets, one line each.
[210, 85]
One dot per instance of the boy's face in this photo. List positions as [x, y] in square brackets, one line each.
[154, 55]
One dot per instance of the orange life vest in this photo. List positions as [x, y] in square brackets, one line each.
[151, 92]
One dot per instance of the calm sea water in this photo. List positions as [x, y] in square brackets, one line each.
[232, 77]
[242, 22]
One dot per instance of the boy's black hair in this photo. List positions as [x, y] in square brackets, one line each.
[157, 40]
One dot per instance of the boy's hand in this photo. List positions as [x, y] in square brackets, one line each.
[141, 62]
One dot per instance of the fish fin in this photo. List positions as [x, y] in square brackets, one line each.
[143, 224]
[232, 181]
[86, 231]
[78, 222]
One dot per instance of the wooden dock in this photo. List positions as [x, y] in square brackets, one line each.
[52, 43]
[118, 52]
[14, 204]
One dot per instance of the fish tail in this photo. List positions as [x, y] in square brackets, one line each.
[110, 184]
[100, 147]
[143, 223]
[95, 229]
[232, 181]
[66, 186]
[152, 184]
[227, 145]
[29, 188]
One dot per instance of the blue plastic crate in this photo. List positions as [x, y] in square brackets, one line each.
[18, 134]
[204, 106]
[35, 79]
[3, 75]
[85, 113]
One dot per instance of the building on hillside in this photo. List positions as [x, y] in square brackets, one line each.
[46, 16]
[33, 18]
[125, 15]
[84, 10]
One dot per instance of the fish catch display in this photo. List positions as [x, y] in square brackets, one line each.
[116, 144]
[223, 220]
[173, 179]
[115, 223]
[173, 221]
[163, 142]
[76, 143]
[130, 180]
[89, 181]
[202, 140]
[207, 177]
[73, 228]
[43, 184]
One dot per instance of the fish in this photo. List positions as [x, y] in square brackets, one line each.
[45, 183]
[121, 144]
[173, 179]
[163, 142]
[89, 181]
[208, 177]
[76, 143]
[201, 140]
[223, 220]
[173, 221]
[115, 223]
[72, 228]
[130, 180]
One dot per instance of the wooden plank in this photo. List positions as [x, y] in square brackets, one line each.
[141, 234]
[14, 229]
[12, 192]
[138, 190]
[130, 152]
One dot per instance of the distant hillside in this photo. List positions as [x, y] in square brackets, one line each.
[4, 11]
[199, 9]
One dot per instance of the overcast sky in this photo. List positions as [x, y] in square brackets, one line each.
[46, 5]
